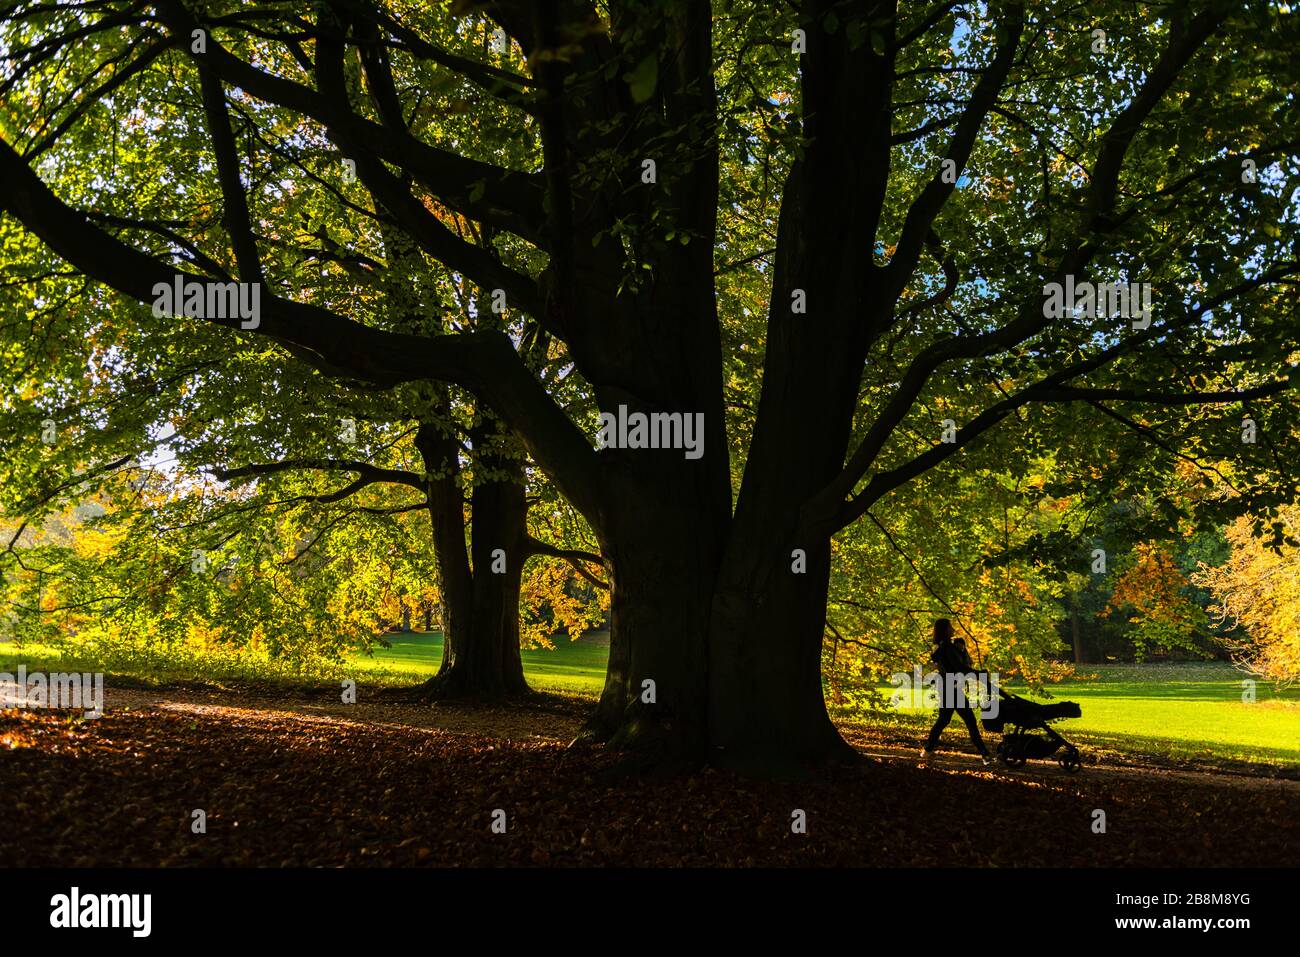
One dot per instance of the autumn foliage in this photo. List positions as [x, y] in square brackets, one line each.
[1259, 589]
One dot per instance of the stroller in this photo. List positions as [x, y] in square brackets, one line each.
[1022, 715]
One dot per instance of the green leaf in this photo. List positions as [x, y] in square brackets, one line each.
[641, 81]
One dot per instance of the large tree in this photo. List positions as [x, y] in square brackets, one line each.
[903, 182]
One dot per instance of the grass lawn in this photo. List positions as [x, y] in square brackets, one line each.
[572, 666]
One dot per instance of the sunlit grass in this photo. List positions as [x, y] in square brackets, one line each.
[572, 667]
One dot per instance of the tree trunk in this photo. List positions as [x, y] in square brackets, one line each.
[663, 534]
[767, 708]
[696, 673]
[1079, 657]
[499, 512]
[705, 604]
[655, 695]
[480, 621]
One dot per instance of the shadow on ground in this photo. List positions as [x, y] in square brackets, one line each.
[297, 783]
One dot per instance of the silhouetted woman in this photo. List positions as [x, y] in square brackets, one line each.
[950, 657]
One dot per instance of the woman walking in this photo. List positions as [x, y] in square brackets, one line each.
[950, 658]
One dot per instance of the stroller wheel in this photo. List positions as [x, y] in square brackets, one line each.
[1009, 755]
[1070, 761]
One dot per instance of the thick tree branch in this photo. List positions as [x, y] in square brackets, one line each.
[573, 556]
[923, 211]
[502, 84]
[473, 261]
[363, 469]
[235, 213]
[950, 279]
[197, 256]
[1184, 41]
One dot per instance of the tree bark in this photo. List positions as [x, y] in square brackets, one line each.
[480, 621]
[1079, 657]
[655, 695]
[499, 513]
